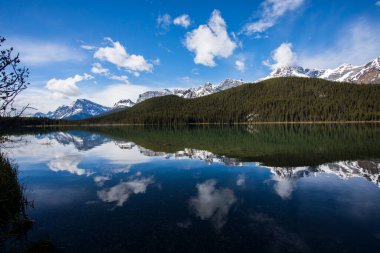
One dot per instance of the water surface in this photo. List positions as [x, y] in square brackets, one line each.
[285, 188]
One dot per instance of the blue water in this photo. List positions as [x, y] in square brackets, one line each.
[94, 192]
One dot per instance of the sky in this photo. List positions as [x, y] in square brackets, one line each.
[111, 50]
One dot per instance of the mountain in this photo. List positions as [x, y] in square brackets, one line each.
[368, 73]
[152, 94]
[80, 109]
[124, 103]
[200, 91]
[285, 99]
[297, 71]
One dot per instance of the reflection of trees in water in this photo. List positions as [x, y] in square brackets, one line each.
[14, 223]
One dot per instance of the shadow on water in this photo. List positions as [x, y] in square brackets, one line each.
[14, 222]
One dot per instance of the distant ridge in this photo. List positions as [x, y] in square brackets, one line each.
[284, 99]
[365, 74]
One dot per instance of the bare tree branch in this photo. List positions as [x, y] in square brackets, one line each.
[13, 80]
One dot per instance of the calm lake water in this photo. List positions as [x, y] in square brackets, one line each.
[284, 188]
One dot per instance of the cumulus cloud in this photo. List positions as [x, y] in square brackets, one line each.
[66, 87]
[122, 191]
[357, 43]
[283, 56]
[212, 203]
[271, 11]
[163, 22]
[36, 52]
[240, 64]
[97, 68]
[117, 55]
[183, 20]
[210, 40]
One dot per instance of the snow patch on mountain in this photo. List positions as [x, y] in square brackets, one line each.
[200, 91]
[124, 103]
[80, 109]
[368, 73]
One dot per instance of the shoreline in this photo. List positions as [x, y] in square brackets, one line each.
[219, 123]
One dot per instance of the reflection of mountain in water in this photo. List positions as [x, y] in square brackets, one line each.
[369, 170]
[290, 151]
[82, 140]
[195, 154]
[286, 177]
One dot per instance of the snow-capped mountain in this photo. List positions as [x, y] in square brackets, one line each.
[368, 73]
[152, 94]
[80, 109]
[124, 103]
[83, 108]
[200, 91]
[294, 71]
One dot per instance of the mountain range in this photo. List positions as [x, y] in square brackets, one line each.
[82, 108]
[365, 74]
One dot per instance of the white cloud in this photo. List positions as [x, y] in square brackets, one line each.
[97, 68]
[117, 54]
[183, 20]
[240, 64]
[109, 95]
[283, 56]
[163, 22]
[66, 87]
[358, 43]
[213, 203]
[88, 47]
[122, 78]
[210, 41]
[272, 10]
[378, 3]
[36, 52]
[122, 191]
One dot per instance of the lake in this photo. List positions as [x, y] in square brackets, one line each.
[250, 188]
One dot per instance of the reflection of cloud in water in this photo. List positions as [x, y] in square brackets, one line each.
[68, 163]
[122, 191]
[213, 203]
[100, 180]
[122, 170]
[240, 181]
[283, 186]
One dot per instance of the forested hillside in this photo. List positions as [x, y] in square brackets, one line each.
[288, 99]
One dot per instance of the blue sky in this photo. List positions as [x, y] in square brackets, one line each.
[109, 50]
